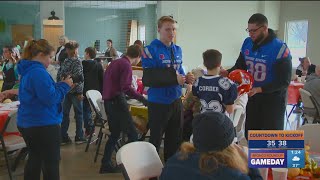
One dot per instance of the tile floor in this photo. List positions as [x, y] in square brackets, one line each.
[75, 163]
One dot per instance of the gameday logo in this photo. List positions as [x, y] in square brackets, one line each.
[267, 158]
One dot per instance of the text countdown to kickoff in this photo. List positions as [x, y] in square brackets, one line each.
[275, 139]
[276, 158]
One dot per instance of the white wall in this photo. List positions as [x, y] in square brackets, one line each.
[271, 9]
[218, 25]
[304, 10]
[45, 11]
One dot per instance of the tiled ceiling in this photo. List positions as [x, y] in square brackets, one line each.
[96, 4]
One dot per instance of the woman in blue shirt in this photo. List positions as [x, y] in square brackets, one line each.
[40, 110]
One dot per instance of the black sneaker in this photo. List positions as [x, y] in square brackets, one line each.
[65, 141]
[88, 131]
[80, 140]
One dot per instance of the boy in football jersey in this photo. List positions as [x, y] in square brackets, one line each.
[215, 93]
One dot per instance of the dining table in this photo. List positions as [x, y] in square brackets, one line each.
[5, 110]
[294, 95]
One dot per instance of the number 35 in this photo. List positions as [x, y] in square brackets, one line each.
[258, 70]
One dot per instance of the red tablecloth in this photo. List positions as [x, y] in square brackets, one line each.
[3, 118]
[293, 92]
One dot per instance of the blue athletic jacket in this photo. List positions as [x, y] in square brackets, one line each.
[260, 63]
[40, 97]
[158, 55]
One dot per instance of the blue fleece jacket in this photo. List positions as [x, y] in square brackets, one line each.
[40, 97]
[158, 55]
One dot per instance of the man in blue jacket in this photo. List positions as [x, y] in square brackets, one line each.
[163, 73]
[268, 59]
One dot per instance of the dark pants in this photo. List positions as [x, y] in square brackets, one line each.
[119, 120]
[7, 86]
[266, 111]
[43, 144]
[165, 118]
[87, 118]
[69, 100]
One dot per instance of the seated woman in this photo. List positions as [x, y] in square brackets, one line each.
[305, 68]
[213, 155]
[9, 69]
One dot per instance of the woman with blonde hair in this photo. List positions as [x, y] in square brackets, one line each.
[40, 110]
[61, 53]
[212, 154]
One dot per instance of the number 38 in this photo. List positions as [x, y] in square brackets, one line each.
[258, 70]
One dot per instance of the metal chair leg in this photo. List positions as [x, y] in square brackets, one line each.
[99, 134]
[98, 148]
[89, 142]
[23, 153]
[6, 158]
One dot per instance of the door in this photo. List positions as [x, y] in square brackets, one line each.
[51, 33]
[21, 33]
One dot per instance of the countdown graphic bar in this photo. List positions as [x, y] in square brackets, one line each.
[275, 139]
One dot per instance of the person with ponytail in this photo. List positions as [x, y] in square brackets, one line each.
[11, 55]
[212, 154]
[40, 110]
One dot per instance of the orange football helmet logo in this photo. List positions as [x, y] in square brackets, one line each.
[243, 79]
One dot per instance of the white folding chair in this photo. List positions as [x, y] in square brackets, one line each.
[11, 142]
[93, 96]
[235, 117]
[309, 105]
[139, 161]
[311, 136]
[104, 130]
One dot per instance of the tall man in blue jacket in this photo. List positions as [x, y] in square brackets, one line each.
[164, 75]
[268, 59]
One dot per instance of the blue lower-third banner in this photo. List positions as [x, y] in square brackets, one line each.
[276, 158]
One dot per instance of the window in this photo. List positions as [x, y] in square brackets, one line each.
[296, 39]
[142, 33]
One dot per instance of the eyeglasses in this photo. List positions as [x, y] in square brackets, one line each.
[253, 30]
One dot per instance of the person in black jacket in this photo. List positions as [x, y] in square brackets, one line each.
[268, 59]
[93, 80]
[61, 53]
[305, 68]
